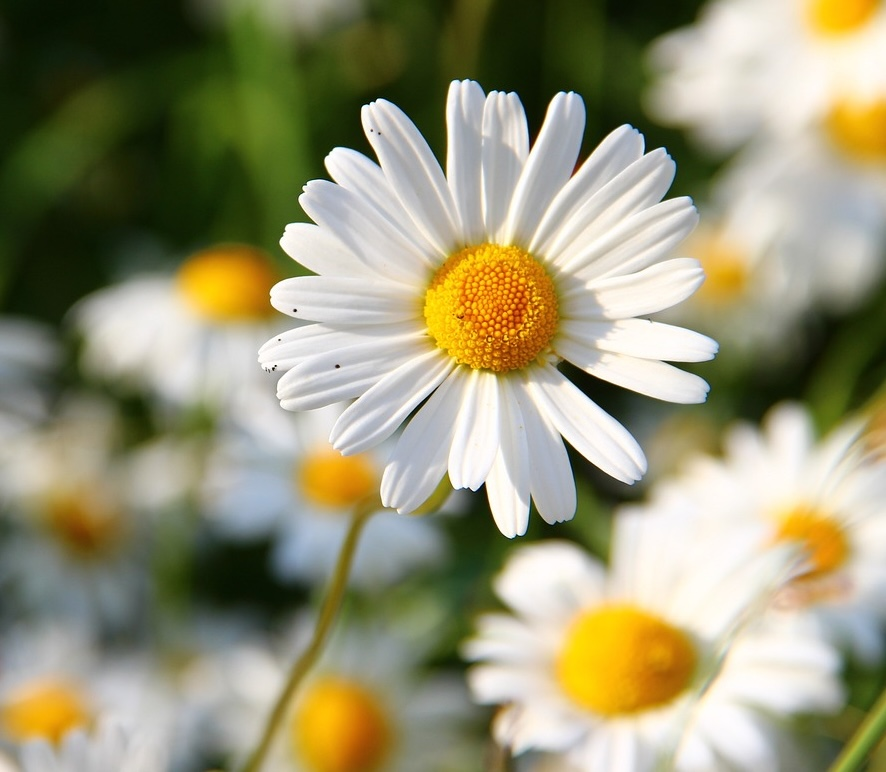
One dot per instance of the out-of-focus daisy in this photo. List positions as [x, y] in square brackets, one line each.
[751, 67]
[607, 667]
[823, 495]
[29, 356]
[788, 234]
[305, 18]
[293, 487]
[76, 547]
[55, 680]
[111, 748]
[458, 295]
[366, 706]
[187, 337]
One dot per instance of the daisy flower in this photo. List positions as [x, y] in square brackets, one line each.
[607, 667]
[296, 489]
[180, 336]
[457, 296]
[367, 705]
[823, 495]
[751, 67]
[112, 748]
[76, 546]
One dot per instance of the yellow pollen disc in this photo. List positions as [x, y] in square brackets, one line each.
[838, 17]
[85, 525]
[619, 660]
[726, 270]
[328, 479]
[340, 726]
[492, 308]
[228, 283]
[46, 709]
[821, 536]
[859, 129]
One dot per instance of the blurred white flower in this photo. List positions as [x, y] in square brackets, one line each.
[110, 748]
[305, 18]
[606, 667]
[295, 489]
[188, 338]
[77, 545]
[366, 705]
[770, 67]
[29, 356]
[821, 494]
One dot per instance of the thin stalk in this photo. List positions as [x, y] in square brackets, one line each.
[865, 738]
[328, 615]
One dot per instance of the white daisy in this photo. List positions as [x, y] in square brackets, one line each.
[111, 748]
[824, 495]
[296, 489]
[367, 705]
[187, 338]
[607, 667]
[459, 294]
[77, 544]
[750, 67]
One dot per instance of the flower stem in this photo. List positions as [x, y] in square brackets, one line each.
[328, 615]
[865, 738]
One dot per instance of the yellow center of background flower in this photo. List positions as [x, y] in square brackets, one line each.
[83, 524]
[328, 479]
[492, 308]
[726, 271]
[340, 726]
[229, 283]
[838, 17]
[859, 129]
[46, 709]
[822, 537]
[620, 660]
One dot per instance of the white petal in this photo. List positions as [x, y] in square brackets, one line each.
[549, 166]
[418, 462]
[382, 408]
[641, 185]
[637, 242]
[643, 338]
[345, 373]
[551, 482]
[320, 252]
[653, 289]
[464, 119]
[617, 151]
[645, 376]
[376, 240]
[505, 147]
[584, 425]
[413, 172]
[344, 300]
[356, 172]
[475, 441]
[507, 486]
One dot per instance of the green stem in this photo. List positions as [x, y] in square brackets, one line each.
[865, 738]
[328, 615]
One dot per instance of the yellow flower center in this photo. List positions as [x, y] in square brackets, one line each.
[838, 17]
[340, 726]
[328, 479]
[726, 271]
[492, 308]
[46, 709]
[859, 129]
[228, 283]
[619, 660]
[84, 524]
[821, 536]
